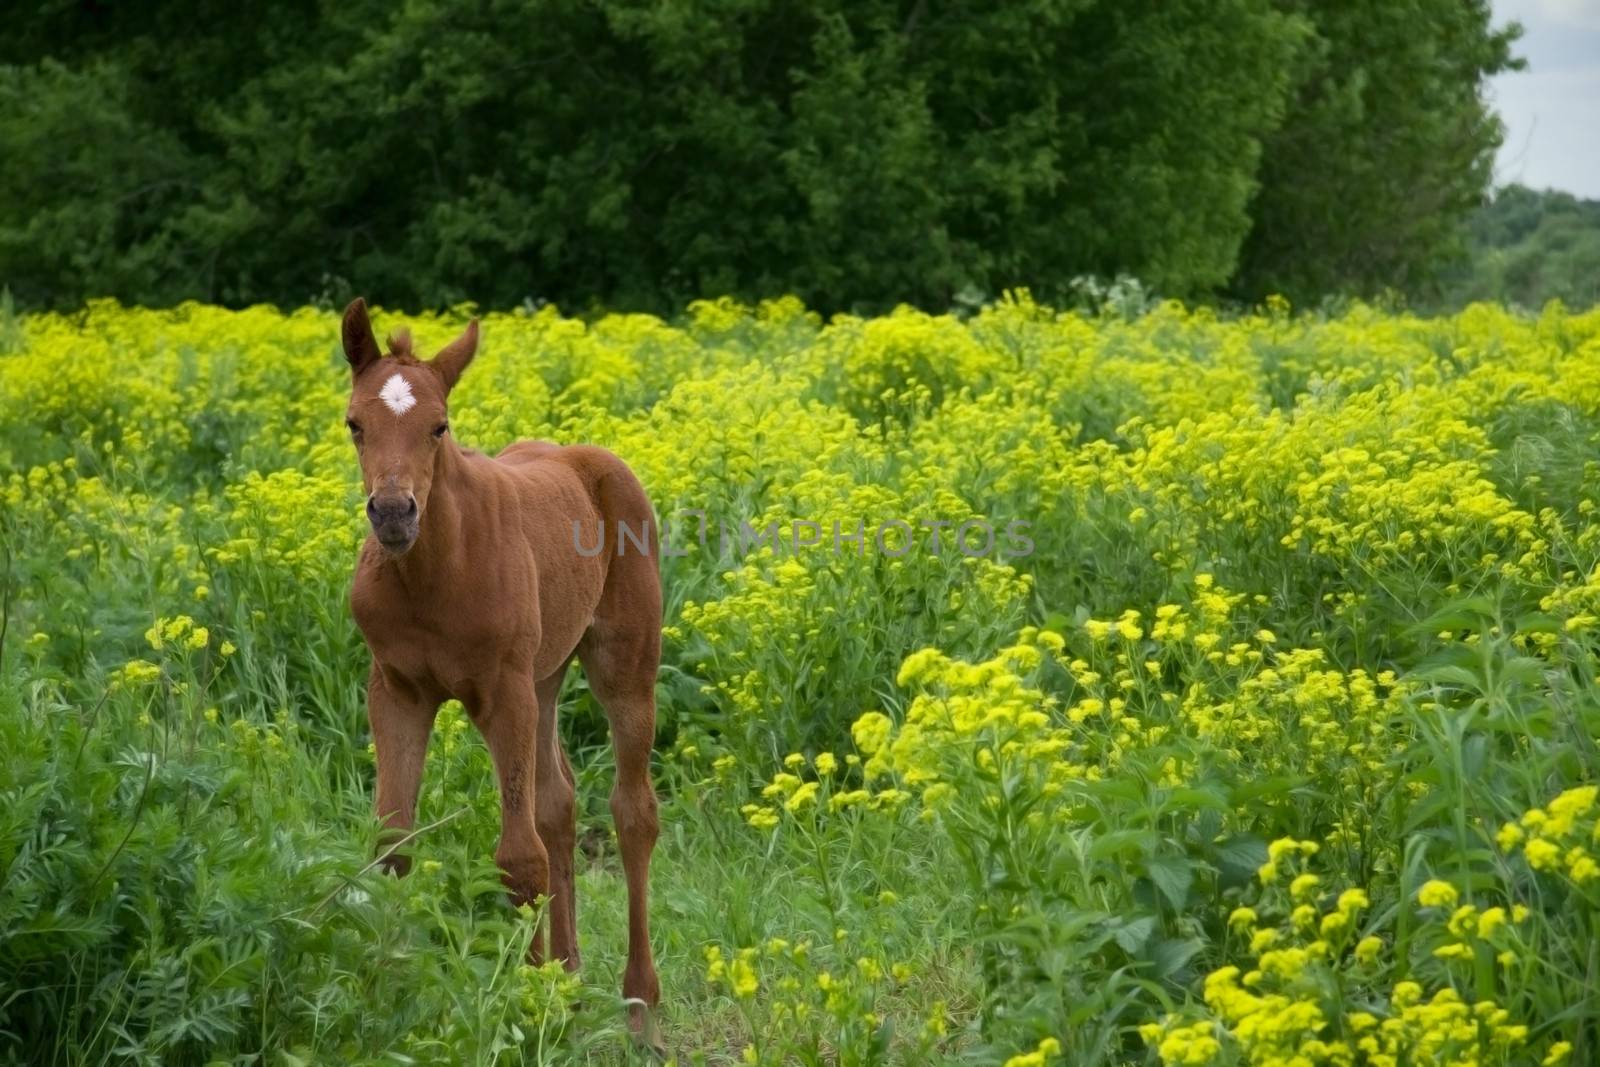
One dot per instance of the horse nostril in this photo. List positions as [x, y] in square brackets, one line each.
[411, 507]
[372, 510]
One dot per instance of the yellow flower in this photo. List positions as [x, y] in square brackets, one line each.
[871, 731]
[1543, 854]
[228, 648]
[1304, 887]
[1287, 847]
[1353, 900]
[783, 783]
[1464, 921]
[138, 672]
[825, 763]
[802, 797]
[198, 637]
[762, 818]
[742, 977]
[1047, 1049]
[1557, 1055]
[1242, 919]
[1437, 894]
[848, 799]
[1574, 802]
[1367, 949]
[1509, 837]
[1405, 994]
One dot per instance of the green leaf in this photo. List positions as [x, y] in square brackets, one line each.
[1245, 792]
[1124, 842]
[1240, 855]
[1447, 674]
[1133, 933]
[1169, 955]
[1173, 875]
[1195, 799]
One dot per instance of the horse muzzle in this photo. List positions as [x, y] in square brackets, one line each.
[394, 520]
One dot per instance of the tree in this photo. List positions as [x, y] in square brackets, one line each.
[630, 153]
[1385, 152]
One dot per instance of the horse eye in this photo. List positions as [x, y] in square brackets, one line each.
[439, 430]
[355, 430]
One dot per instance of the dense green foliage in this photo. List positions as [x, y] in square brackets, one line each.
[1531, 246]
[630, 154]
[1386, 149]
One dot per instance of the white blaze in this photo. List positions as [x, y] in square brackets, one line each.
[396, 393]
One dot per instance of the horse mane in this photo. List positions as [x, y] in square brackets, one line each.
[400, 344]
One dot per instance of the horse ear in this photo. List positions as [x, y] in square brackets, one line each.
[360, 346]
[454, 357]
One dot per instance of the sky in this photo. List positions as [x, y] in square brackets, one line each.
[1552, 109]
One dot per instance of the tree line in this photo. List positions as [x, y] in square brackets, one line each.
[633, 154]
[1527, 247]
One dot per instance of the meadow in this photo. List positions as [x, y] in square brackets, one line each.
[1274, 745]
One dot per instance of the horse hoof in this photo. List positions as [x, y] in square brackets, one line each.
[646, 1034]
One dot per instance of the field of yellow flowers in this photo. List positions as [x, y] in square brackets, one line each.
[1274, 743]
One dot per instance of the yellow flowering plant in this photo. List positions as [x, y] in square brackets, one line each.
[1274, 739]
[1325, 978]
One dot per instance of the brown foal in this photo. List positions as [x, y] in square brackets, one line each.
[471, 585]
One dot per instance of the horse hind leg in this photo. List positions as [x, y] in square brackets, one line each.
[555, 816]
[508, 721]
[621, 668]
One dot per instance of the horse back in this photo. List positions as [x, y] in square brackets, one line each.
[611, 487]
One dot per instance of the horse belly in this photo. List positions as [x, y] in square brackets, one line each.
[567, 601]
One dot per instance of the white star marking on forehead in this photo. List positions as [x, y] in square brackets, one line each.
[396, 393]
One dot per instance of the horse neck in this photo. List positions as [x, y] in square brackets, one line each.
[437, 556]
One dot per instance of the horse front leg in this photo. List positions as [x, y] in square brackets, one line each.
[401, 721]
